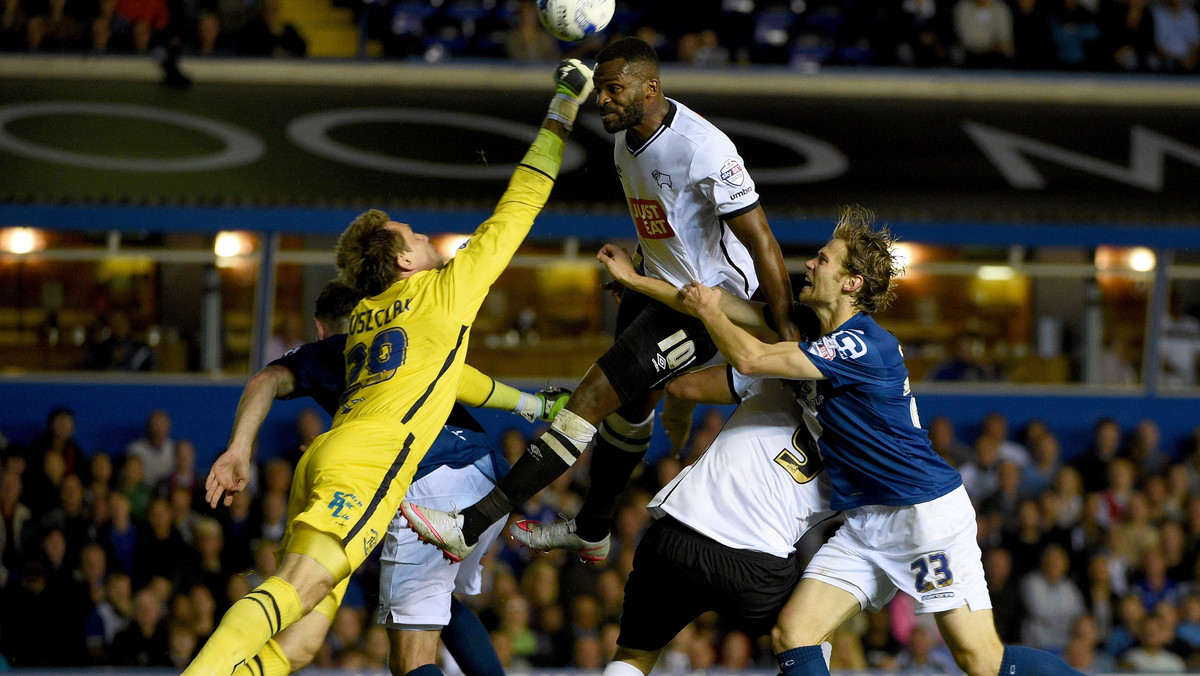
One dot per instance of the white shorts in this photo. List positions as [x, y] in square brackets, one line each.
[415, 582]
[927, 551]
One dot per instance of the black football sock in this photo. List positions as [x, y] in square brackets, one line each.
[620, 447]
[544, 461]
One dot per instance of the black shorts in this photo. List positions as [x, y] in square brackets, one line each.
[679, 574]
[653, 343]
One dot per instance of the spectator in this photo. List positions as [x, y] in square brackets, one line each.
[109, 617]
[1174, 543]
[1076, 34]
[13, 31]
[1115, 498]
[1033, 45]
[99, 478]
[1099, 595]
[183, 475]
[1189, 625]
[289, 331]
[1069, 499]
[1039, 475]
[155, 448]
[995, 425]
[1002, 507]
[1179, 346]
[1145, 452]
[69, 517]
[1134, 533]
[1131, 614]
[92, 572]
[1127, 39]
[15, 526]
[981, 474]
[30, 619]
[966, 361]
[1007, 610]
[985, 33]
[1082, 650]
[1052, 601]
[1023, 538]
[207, 556]
[144, 642]
[59, 437]
[132, 24]
[274, 517]
[1150, 656]
[266, 34]
[879, 645]
[120, 536]
[527, 40]
[53, 25]
[945, 441]
[1155, 586]
[43, 480]
[183, 517]
[181, 646]
[309, 424]
[847, 652]
[1094, 461]
[131, 482]
[922, 34]
[1177, 40]
[160, 549]
[924, 654]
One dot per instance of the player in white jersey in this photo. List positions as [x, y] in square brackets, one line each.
[697, 215]
[726, 528]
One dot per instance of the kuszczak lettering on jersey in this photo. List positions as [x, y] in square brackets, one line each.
[369, 320]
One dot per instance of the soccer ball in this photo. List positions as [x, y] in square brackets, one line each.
[573, 20]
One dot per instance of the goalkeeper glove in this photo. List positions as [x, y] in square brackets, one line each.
[549, 401]
[574, 84]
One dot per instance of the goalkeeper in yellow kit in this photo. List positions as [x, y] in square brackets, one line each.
[404, 358]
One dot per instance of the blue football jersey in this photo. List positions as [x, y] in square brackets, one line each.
[320, 372]
[871, 437]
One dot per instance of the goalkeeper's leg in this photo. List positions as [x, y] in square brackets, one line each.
[299, 585]
[295, 647]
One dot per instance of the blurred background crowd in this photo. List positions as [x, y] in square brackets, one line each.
[110, 556]
[1074, 35]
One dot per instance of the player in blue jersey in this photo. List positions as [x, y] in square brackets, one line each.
[909, 524]
[416, 586]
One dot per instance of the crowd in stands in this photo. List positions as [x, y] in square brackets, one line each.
[1074, 35]
[111, 557]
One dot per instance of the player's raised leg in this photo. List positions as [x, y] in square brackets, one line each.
[545, 460]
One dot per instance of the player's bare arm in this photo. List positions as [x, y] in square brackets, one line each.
[231, 471]
[752, 230]
[705, 386]
[744, 352]
[745, 313]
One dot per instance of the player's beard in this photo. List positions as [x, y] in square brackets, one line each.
[629, 118]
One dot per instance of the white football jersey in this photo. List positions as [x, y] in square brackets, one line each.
[760, 485]
[680, 184]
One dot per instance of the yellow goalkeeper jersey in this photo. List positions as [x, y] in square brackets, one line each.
[405, 346]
